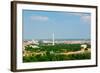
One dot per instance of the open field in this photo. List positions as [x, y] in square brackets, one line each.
[57, 52]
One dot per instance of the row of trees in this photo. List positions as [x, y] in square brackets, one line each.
[55, 48]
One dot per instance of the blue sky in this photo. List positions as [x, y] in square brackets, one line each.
[65, 25]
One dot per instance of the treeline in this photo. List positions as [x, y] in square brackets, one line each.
[55, 48]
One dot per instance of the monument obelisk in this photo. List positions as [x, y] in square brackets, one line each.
[53, 40]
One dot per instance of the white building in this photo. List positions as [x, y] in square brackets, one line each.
[35, 42]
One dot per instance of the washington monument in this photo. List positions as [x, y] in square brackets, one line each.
[53, 40]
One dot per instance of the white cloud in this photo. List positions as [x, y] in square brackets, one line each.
[39, 18]
[84, 17]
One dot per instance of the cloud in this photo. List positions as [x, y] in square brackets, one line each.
[75, 13]
[39, 18]
[85, 17]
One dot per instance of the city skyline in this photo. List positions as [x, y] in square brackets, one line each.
[65, 25]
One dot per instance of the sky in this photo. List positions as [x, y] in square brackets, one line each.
[64, 25]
